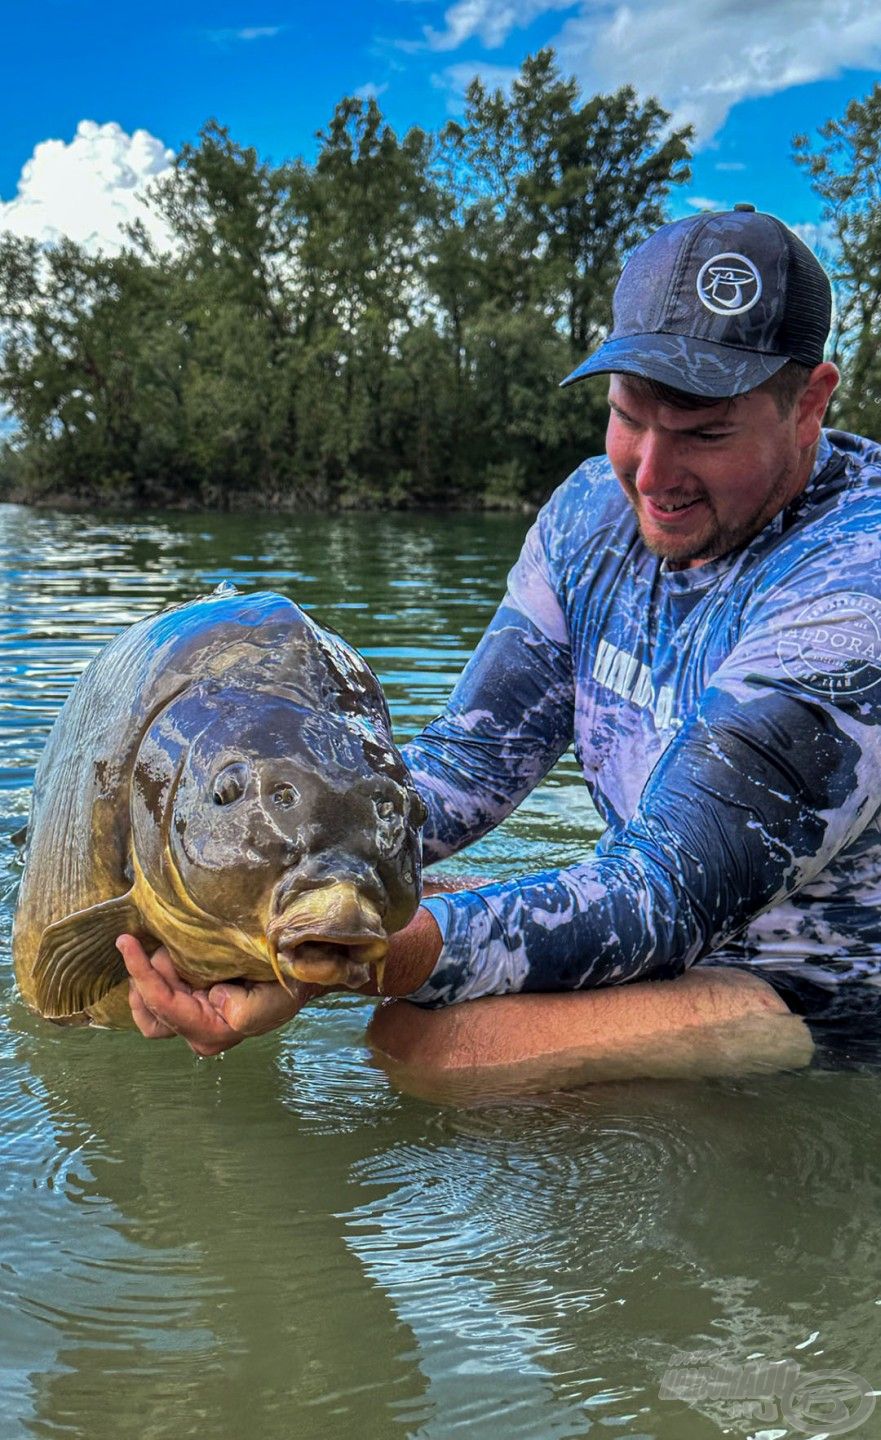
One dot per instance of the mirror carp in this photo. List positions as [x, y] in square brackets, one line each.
[221, 780]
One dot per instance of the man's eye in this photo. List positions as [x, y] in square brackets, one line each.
[707, 436]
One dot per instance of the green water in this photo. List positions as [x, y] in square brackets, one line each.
[278, 1243]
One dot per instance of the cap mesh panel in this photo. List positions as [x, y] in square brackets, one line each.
[808, 315]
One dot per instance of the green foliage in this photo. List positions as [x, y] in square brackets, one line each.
[845, 171]
[387, 326]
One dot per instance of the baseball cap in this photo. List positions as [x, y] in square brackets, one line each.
[715, 304]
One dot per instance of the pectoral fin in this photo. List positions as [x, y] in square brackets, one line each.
[78, 962]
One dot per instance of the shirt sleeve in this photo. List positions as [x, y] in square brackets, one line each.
[778, 770]
[509, 719]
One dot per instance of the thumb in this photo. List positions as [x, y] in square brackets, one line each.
[254, 1009]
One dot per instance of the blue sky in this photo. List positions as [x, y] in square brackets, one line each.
[748, 73]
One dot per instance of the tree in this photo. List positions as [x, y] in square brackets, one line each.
[845, 171]
[387, 325]
[90, 366]
[362, 208]
[594, 184]
[543, 195]
[232, 219]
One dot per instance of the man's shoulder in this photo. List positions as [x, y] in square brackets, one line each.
[592, 485]
[858, 452]
[833, 543]
[845, 491]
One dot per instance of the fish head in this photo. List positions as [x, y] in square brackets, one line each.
[293, 825]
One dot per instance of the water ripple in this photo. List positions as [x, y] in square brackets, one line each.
[281, 1242]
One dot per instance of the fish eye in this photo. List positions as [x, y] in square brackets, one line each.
[286, 796]
[229, 784]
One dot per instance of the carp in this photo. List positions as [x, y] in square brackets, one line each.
[222, 780]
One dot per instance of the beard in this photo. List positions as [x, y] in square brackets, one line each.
[713, 537]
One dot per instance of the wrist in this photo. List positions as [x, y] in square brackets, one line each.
[412, 955]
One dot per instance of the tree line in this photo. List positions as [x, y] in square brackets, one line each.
[384, 326]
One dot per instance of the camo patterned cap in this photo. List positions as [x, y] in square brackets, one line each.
[715, 304]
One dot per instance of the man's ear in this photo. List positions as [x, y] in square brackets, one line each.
[813, 401]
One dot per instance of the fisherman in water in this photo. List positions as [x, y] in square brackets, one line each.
[699, 610]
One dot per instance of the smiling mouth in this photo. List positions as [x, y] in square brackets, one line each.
[667, 512]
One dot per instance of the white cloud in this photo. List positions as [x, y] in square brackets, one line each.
[702, 61]
[88, 188]
[248, 32]
[819, 238]
[491, 21]
[457, 78]
[730, 165]
[698, 59]
[370, 91]
[700, 202]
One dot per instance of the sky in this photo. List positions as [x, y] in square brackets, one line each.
[96, 97]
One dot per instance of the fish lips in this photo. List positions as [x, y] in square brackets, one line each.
[330, 935]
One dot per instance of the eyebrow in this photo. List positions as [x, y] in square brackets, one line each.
[722, 425]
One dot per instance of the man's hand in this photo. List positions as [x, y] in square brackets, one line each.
[163, 1005]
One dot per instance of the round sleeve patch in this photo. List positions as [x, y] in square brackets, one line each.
[833, 646]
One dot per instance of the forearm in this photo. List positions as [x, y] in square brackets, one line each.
[507, 722]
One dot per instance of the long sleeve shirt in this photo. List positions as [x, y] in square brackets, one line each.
[726, 721]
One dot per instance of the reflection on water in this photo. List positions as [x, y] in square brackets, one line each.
[279, 1242]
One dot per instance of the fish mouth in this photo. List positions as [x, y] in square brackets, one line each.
[332, 935]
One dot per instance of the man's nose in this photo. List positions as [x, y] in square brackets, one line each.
[655, 464]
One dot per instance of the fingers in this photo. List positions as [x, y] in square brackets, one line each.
[158, 984]
[162, 1004]
[258, 1008]
[145, 1020]
[140, 971]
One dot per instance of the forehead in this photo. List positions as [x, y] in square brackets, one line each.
[628, 393]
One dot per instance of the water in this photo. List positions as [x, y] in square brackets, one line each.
[278, 1242]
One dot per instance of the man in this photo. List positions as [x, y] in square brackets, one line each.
[700, 610]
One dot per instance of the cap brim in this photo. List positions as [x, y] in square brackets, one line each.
[697, 367]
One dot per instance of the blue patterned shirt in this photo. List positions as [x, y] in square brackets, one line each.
[726, 721]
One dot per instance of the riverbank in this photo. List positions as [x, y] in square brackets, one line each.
[267, 503]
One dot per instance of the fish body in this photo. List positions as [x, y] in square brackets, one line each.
[222, 780]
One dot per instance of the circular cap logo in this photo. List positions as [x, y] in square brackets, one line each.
[729, 284]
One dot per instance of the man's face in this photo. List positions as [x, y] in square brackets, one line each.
[703, 482]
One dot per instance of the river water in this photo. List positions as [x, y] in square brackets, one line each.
[278, 1242]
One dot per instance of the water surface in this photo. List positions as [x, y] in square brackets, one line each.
[277, 1242]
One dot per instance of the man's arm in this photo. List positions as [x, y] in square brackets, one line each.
[728, 825]
[507, 722]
